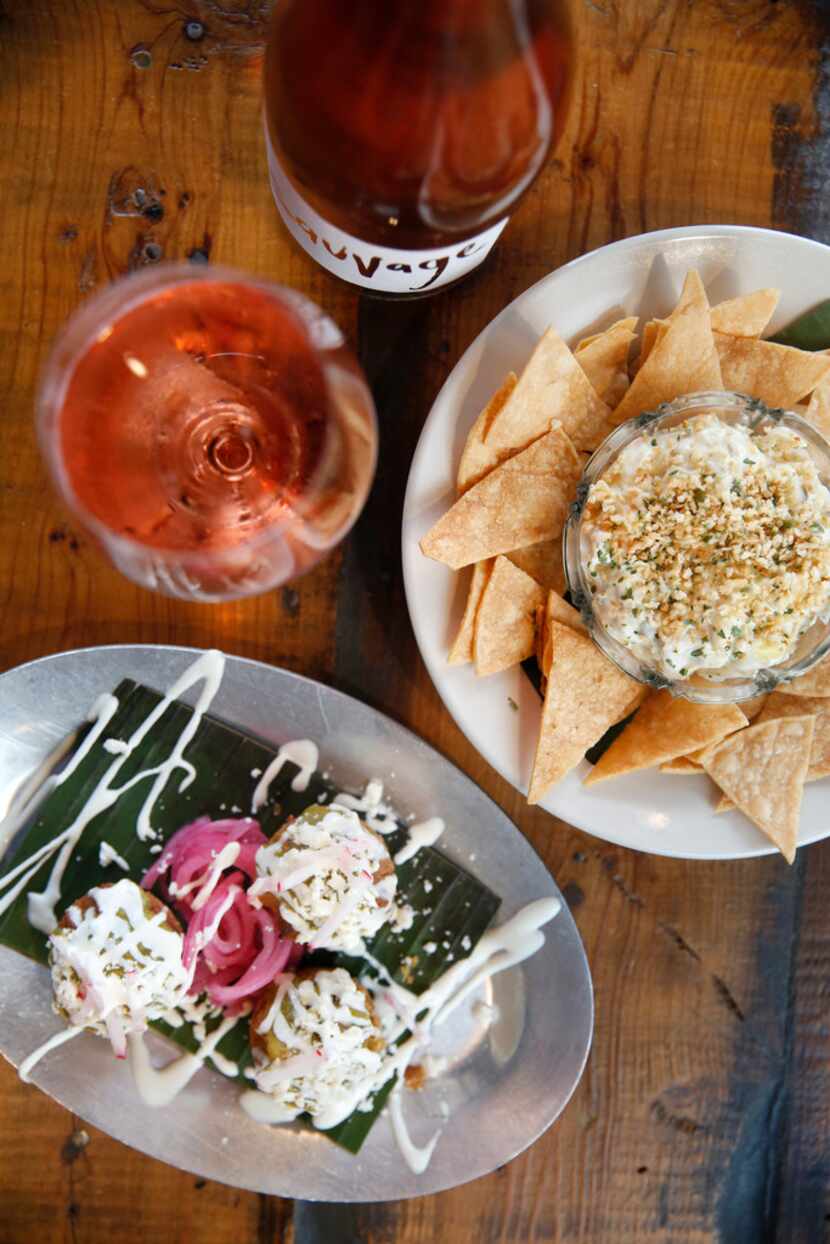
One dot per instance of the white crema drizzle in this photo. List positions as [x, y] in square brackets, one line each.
[107, 855]
[160, 1086]
[500, 948]
[208, 881]
[198, 1012]
[371, 807]
[36, 789]
[383, 819]
[300, 752]
[207, 669]
[324, 1024]
[322, 873]
[424, 834]
[115, 967]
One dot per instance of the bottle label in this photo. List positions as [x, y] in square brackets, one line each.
[383, 268]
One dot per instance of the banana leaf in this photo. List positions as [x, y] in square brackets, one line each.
[810, 331]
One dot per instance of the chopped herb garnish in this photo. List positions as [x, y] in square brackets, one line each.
[692, 548]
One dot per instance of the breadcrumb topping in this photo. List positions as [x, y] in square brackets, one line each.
[707, 547]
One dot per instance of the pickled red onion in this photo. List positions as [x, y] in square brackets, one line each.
[237, 957]
[191, 851]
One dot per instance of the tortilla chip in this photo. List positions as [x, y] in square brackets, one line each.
[778, 706]
[558, 610]
[751, 708]
[505, 631]
[688, 764]
[462, 648]
[747, 315]
[604, 359]
[665, 727]
[680, 764]
[762, 769]
[540, 648]
[818, 410]
[524, 500]
[586, 694]
[653, 330]
[552, 386]
[778, 375]
[815, 682]
[634, 703]
[682, 360]
[476, 459]
[555, 609]
[543, 562]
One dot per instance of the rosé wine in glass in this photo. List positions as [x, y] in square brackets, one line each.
[210, 430]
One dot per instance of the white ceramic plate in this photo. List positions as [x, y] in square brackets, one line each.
[650, 811]
[504, 1084]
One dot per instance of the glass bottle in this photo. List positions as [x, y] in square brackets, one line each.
[401, 134]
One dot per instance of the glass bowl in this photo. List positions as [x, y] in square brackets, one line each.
[732, 408]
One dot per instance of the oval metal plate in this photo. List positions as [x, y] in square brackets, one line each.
[504, 1085]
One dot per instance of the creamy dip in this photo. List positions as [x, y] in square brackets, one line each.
[707, 547]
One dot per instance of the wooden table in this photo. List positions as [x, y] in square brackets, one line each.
[704, 1113]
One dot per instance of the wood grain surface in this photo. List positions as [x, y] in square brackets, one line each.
[704, 1114]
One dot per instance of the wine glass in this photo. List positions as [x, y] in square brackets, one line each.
[210, 430]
